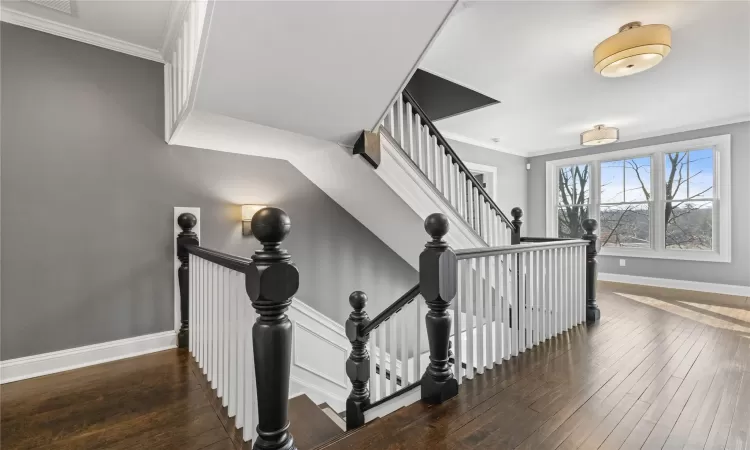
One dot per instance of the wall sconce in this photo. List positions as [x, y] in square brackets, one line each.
[248, 211]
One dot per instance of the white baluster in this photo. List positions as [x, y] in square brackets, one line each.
[242, 352]
[225, 326]
[220, 333]
[558, 293]
[488, 353]
[232, 326]
[372, 348]
[381, 360]
[418, 354]
[505, 304]
[391, 120]
[191, 311]
[523, 299]
[439, 168]
[209, 321]
[471, 302]
[429, 156]
[457, 341]
[418, 153]
[400, 119]
[545, 294]
[409, 146]
[403, 321]
[202, 314]
[479, 275]
[530, 305]
[215, 328]
[538, 299]
[249, 379]
[392, 352]
[498, 310]
[514, 303]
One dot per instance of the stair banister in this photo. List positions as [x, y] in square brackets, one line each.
[592, 309]
[187, 236]
[425, 121]
[438, 279]
[271, 281]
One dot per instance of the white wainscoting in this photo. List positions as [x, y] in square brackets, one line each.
[319, 353]
[74, 358]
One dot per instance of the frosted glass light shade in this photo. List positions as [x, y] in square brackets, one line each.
[600, 135]
[634, 49]
[248, 211]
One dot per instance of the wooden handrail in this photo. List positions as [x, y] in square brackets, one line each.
[424, 120]
[480, 252]
[405, 299]
[232, 262]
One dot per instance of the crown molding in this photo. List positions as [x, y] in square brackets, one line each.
[651, 134]
[70, 32]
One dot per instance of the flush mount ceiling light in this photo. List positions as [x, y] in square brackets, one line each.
[634, 49]
[600, 135]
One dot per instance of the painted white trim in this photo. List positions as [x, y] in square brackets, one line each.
[651, 134]
[74, 358]
[318, 394]
[78, 34]
[388, 407]
[491, 170]
[295, 360]
[727, 289]
[402, 175]
[722, 187]
[319, 317]
[176, 289]
[177, 10]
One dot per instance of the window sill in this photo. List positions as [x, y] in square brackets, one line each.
[686, 255]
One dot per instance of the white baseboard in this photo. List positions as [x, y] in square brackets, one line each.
[727, 289]
[392, 405]
[60, 361]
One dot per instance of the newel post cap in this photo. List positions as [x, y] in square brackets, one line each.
[186, 221]
[590, 225]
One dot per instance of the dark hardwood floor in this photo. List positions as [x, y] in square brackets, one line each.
[655, 373]
[156, 401]
[652, 374]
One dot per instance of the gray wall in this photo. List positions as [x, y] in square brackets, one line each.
[511, 174]
[737, 272]
[88, 190]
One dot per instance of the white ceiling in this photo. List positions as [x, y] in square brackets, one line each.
[142, 23]
[323, 69]
[536, 58]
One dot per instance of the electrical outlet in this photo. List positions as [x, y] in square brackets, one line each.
[622, 263]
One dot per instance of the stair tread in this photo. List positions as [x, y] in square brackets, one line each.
[310, 426]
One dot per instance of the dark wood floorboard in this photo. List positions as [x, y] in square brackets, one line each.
[156, 401]
[654, 373]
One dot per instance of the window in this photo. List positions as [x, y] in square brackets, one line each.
[661, 201]
[625, 213]
[572, 199]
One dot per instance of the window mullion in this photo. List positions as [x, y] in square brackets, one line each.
[659, 196]
[595, 192]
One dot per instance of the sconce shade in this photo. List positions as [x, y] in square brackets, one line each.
[248, 211]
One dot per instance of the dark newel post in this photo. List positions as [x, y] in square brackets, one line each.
[515, 237]
[592, 309]
[438, 275]
[358, 364]
[271, 280]
[187, 236]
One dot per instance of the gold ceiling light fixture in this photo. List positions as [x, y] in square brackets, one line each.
[600, 135]
[634, 49]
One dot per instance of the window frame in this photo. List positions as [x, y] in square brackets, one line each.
[722, 205]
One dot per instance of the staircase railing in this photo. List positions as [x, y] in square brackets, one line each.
[407, 123]
[238, 323]
[505, 300]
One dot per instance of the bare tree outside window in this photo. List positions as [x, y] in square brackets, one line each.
[626, 199]
[625, 218]
[688, 208]
[573, 200]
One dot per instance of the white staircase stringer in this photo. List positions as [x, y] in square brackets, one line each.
[408, 182]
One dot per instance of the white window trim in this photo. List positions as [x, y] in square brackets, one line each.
[490, 171]
[722, 231]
